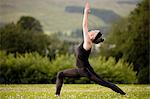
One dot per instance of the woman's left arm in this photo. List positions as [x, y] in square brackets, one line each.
[85, 26]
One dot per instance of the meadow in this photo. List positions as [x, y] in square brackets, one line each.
[72, 91]
[52, 14]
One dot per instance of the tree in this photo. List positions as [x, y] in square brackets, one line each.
[26, 37]
[30, 23]
[17, 39]
[131, 39]
[139, 48]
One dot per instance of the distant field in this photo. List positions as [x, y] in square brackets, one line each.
[52, 14]
[72, 91]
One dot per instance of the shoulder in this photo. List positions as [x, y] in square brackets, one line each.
[87, 45]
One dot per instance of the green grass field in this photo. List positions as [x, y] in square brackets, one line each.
[72, 91]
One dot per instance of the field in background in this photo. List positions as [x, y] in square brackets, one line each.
[72, 91]
[52, 14]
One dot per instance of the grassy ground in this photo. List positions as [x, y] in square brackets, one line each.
[72, 91]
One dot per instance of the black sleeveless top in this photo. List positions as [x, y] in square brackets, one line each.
[82, 56]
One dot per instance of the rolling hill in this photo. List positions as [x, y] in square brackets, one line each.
[66, 15]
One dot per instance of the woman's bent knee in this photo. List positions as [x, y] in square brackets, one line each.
[60, 74]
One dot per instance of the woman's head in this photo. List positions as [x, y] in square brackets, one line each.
[95, 36]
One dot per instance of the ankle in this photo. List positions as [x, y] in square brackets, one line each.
[57, 95]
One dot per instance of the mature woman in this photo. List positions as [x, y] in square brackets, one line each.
[82, 53]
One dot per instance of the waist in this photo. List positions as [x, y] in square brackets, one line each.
[80, 63]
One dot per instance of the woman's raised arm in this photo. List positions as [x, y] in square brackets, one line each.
[85, 25]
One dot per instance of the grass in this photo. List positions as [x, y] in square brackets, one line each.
[72, 91]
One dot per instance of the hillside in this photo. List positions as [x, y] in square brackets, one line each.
[58, 15]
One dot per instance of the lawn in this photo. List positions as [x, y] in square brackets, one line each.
[72, 91]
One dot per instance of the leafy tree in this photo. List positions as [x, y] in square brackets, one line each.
[30, 23]
[57, 46]
[130, 37]
[139, 23]
[16, 39]
[27, 36]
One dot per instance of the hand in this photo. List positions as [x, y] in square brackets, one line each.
[102, 40]
[87, 8]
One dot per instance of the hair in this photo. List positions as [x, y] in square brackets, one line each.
[98, 38]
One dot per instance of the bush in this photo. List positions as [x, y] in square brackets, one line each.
[143, 76]
[33, 68]
[26, 68]
[110, 70]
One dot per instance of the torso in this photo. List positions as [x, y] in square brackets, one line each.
[82, 56]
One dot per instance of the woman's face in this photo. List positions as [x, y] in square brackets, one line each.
[92, 34]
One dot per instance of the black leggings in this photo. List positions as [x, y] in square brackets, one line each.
[84, 72]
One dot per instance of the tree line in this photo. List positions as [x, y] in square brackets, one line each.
[129, 39]
[27, 35]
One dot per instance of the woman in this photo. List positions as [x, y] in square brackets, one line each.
[82, 54]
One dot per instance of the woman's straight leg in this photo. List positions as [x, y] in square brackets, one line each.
[94, 77]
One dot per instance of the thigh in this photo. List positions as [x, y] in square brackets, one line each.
[94, 77]
[92, 72]
[71, 72]
[84, 72]
[78, 72]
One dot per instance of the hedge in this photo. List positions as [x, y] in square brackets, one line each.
[34, 68]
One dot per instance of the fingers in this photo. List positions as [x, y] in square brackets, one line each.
[87, 7]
